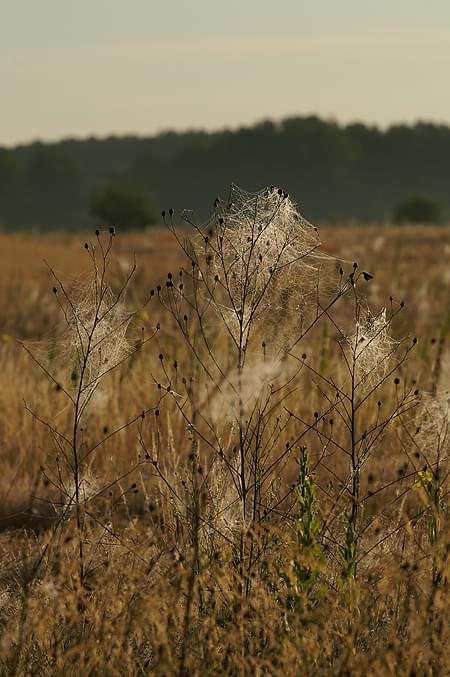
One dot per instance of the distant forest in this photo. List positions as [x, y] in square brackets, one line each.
[336, 173]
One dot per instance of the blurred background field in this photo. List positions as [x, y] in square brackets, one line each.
[408, 262]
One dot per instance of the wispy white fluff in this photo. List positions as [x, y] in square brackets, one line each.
[95, 335]
[371, 347]
[263, 251]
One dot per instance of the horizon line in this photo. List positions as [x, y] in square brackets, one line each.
[277, 122]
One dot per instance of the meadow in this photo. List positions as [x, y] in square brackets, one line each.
[225, 450]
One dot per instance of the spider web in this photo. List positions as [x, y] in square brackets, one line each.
[268, 253]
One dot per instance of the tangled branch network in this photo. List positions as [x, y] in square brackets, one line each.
[264, 252]
[96, 336]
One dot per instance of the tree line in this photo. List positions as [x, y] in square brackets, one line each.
[335, 172]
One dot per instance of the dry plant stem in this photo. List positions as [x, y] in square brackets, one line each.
[90, 335]
[194, 570]
[354, 458]
[78, 401]
[76, 465]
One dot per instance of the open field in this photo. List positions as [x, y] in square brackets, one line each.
[409, 262]
[186, 488]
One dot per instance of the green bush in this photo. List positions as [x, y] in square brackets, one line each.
[419, 209]
[116, 205]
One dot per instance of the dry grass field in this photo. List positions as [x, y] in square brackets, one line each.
[238, 468]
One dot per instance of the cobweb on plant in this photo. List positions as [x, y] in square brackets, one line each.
[372, 347]
[265, 252]
[432, 435]
[263, 234]
[95, 339]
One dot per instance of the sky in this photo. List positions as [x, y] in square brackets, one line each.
[99, 67]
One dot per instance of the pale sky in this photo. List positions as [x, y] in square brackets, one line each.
[97, 67]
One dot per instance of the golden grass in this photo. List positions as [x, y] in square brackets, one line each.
[167, 590]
